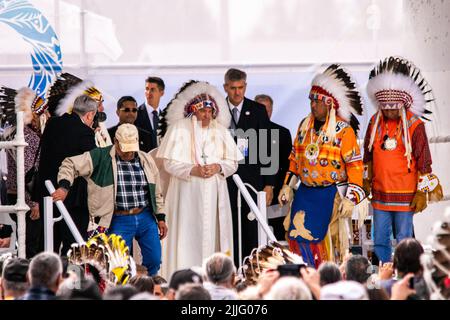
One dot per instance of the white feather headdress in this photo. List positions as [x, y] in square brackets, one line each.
[338, 83]
[176, 109]
[396, 79]
[395, 83]
[342, 96]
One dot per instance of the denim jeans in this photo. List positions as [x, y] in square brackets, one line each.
[144, 228]
[383, 221]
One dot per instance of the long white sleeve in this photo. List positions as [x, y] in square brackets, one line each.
[228, 167]
[178, 169]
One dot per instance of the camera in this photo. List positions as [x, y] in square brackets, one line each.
[290, 269]
[99, 117]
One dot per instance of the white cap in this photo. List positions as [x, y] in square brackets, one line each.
[128, 137]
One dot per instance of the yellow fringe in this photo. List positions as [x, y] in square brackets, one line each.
[436, 195]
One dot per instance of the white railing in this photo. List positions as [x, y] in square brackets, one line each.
[20, 208]
[439, 139]
[49, 221]
[259, 212]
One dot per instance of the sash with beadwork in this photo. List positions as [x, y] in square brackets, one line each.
[311, 213]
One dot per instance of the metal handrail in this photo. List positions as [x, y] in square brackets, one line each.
[49, 220]
[259, 212]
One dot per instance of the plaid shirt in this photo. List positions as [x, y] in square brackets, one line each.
[132, 185]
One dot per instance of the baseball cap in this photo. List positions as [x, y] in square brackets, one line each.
[184, 276]
[128, 137]
[16, 269]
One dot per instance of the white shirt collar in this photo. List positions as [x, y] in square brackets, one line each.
[239, 106]
[150, 110]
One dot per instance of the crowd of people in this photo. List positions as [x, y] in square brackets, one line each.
[51, 277]
[163, 177]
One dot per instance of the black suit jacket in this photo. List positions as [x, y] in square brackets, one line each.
[254, 116]
[282, 146]
[145, 141]
[143, 122]
[63, 137]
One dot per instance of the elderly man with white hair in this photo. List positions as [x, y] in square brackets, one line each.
[45, 276]
[220, 273]
[289, 288]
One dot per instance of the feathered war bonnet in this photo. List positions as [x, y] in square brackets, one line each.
[264, 258]
[396, 84]
[338, 91]
[106, 257]
[192, 96]
[66, 89]
[13, 101]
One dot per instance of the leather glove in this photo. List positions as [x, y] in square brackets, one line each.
[429, 184]
[419, 202]
[428, 188]
[286, 195]
[345, 209]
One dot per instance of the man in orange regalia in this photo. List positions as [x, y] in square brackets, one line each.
[397, 157]
[325, 155]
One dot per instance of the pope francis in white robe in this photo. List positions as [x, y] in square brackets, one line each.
[198, 208]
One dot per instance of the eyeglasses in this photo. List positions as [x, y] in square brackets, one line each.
[134, 110]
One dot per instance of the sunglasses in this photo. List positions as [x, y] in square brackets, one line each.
[134, 110]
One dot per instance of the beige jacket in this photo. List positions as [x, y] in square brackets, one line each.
[99, 168]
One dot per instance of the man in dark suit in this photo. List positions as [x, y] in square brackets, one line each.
[281, 147]
[249, 121]
[127, 112]
[148, 113]
[66, 136]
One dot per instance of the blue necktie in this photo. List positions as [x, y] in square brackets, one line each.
[155, 126]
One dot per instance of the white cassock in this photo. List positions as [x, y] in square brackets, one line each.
[198, 209]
